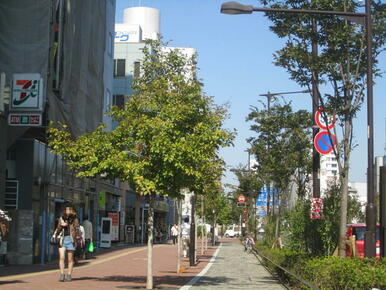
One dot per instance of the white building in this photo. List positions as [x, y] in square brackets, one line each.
[329, 172]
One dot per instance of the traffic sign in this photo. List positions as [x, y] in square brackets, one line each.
[30, 120]
[324, 142]
[241, 198]
[320, 120]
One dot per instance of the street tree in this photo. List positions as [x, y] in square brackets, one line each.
[340, 67]
[282, 149]
[168, 133]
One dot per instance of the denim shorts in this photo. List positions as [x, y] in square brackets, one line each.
[67, 244]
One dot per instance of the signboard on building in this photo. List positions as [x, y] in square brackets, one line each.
[30, 120]
[27, 92]
[114, 225]
[127, 33]
[102, 200]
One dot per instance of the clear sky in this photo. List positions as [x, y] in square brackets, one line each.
[235, 60]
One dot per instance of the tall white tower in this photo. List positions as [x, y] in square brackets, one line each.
[146, 17]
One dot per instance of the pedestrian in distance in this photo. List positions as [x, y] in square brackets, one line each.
[185, 231]
[174, 232]
[67, 232]
[88, 235]
[249, 242]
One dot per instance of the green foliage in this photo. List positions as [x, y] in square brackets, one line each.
[319, 237]
[349, 273]
[168, 133]
[283, 144]
[327, 272]
[201, 231]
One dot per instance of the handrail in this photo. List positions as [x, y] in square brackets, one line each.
[288, 272]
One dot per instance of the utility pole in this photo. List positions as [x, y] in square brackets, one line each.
[315, 107]
[3, 138]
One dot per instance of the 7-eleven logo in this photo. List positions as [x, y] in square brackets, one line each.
[25, 91]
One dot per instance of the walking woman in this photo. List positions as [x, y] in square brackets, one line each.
[66, 229]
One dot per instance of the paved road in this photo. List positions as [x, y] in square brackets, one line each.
[121, 269]
[235, 269]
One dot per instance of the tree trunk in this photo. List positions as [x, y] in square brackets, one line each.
[202, 226]
[344, 190]
[179, 236]
[343, 214]
[192, 246]
[213, 231]
[150, 226]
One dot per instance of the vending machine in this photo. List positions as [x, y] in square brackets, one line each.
[106, 224]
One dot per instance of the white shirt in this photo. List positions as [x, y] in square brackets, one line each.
[186, 229]
[174, 231]
[87, 229]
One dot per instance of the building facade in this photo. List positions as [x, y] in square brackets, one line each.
[68, 44]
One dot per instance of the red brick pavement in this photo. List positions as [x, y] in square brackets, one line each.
[122, 269]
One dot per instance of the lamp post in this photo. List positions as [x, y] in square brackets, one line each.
[234, 8]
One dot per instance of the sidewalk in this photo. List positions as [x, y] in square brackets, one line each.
[122, 269]
[235, 269]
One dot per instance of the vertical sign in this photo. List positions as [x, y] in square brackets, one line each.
[102, 200]
[114, 225]
[316, 208]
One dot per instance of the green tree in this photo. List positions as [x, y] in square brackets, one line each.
[340, 66]
[168, 134]
[282, 149]
[319, 237]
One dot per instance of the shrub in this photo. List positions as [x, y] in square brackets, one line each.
[327, 272]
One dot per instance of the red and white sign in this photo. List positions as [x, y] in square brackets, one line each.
[324, 142]
[29, 120]
[321, 117]
[27, 92]
[241, 198]
[114, 225]
[316, 208]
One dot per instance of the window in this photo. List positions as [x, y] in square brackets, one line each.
[119, 67]
[137, 69]
[107, 100]
[11, 194]
[119, 101]
[334, 172]
[334, 165]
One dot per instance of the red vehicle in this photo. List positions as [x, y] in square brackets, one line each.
[358, 230]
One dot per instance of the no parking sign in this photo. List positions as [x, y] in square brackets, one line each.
[324, 142]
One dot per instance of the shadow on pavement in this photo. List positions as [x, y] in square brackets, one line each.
[11, 282]
[163, 281]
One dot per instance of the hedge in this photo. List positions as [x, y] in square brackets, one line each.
[327, 272]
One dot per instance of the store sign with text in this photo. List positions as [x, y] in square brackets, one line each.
[27, 92]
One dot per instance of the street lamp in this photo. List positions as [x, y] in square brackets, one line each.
[234, 8]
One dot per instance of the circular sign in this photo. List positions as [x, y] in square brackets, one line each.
[241, 198]
[324, 143]
[321, 122]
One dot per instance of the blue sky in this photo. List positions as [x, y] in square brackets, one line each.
[235, 60]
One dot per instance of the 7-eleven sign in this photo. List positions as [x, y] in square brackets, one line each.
[27, 92]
